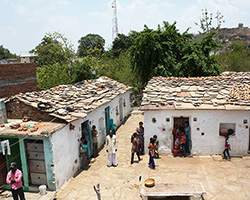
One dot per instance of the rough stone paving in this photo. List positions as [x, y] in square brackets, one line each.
[70, 102]
[228, 91]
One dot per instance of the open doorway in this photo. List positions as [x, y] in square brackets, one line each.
[179, 123]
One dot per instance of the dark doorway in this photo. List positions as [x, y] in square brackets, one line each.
[3, 170]
[180, 122]
[121, 109]
[107, 118]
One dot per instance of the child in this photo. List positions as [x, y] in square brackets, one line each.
[151, 153]
[83, 153]
[156, 146]
[135, 148]
[227, 148]
[183, 143]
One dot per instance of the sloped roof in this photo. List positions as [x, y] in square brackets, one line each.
[70, 102]
[229, 91]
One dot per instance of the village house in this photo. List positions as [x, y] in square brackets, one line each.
[44, 128]
[213, 106]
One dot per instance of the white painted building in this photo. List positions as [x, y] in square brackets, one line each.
[59, 114]
[209, 104]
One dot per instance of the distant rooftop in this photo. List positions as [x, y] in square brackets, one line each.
[27, 54]
[229, 91]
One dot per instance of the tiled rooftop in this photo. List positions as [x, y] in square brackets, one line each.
[229, 91]
[70, 102]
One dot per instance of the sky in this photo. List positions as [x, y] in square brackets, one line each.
[23, 23]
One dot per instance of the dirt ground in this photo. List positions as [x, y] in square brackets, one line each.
[221, 179]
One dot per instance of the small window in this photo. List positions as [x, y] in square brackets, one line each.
[167, 119]
[245, 121]
[195, 119]
[153, 120]
[227, 129]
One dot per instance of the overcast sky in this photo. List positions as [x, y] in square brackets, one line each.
[23, 23]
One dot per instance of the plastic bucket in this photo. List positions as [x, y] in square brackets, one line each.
[42, 189]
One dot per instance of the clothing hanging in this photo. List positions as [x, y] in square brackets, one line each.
[5, 144]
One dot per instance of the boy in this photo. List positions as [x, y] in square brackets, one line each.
[183, 143]
[83, 154]
[227, 148]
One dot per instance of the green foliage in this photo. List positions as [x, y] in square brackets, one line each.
[52, 75]
[167, 52]
[236, 58]
[88, 42]
[5, 53]
[53, 49]
[121, 44]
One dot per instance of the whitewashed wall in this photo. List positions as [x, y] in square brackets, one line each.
[65, 142]
[208, 122]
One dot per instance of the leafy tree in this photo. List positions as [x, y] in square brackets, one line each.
[54, 48]
[167, 52]
[121, 44]
[240, 25]
[88, 42]
[5, 53]
[236, 58]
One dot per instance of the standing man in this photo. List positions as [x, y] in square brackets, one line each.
[111, 148]
[95, 141]
[14, 178]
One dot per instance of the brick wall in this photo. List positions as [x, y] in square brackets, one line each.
[16, 78]
[17, 110]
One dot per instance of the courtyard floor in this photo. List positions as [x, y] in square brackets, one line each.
[221, 179]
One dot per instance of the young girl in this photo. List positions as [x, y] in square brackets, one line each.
[83, 153]
[227, 148]
[151, 153]
[183, 143]
[156, 146]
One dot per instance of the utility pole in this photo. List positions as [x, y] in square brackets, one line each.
[115, 21]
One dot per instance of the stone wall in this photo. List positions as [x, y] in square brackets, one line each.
[16, 78]
[17, 110]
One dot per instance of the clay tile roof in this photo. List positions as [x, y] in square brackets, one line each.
[228, 91]
[73, 101]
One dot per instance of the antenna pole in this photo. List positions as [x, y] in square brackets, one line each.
[115, 21]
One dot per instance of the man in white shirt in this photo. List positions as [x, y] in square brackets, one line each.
[111, 148]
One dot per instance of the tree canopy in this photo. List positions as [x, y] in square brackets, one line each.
[167, 52]
[5, 53]
[88, 42]
[54, 48]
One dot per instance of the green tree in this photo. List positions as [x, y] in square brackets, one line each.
[88, 42]
[54, 48]
[121, 44]
[167, 52]
[5, 53]
[236, 58]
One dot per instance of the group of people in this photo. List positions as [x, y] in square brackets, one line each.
[137, 140]
[181, 135]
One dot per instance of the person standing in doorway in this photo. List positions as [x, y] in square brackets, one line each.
[183, 144]
[227, 148]
[83, 154]
[188, 137]
[88, 137]
[111, 148]
[112, 126]
[135, 148]
[14, 178]
[95, 141]
[140, 135]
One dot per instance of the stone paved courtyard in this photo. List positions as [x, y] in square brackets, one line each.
[221, 179]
